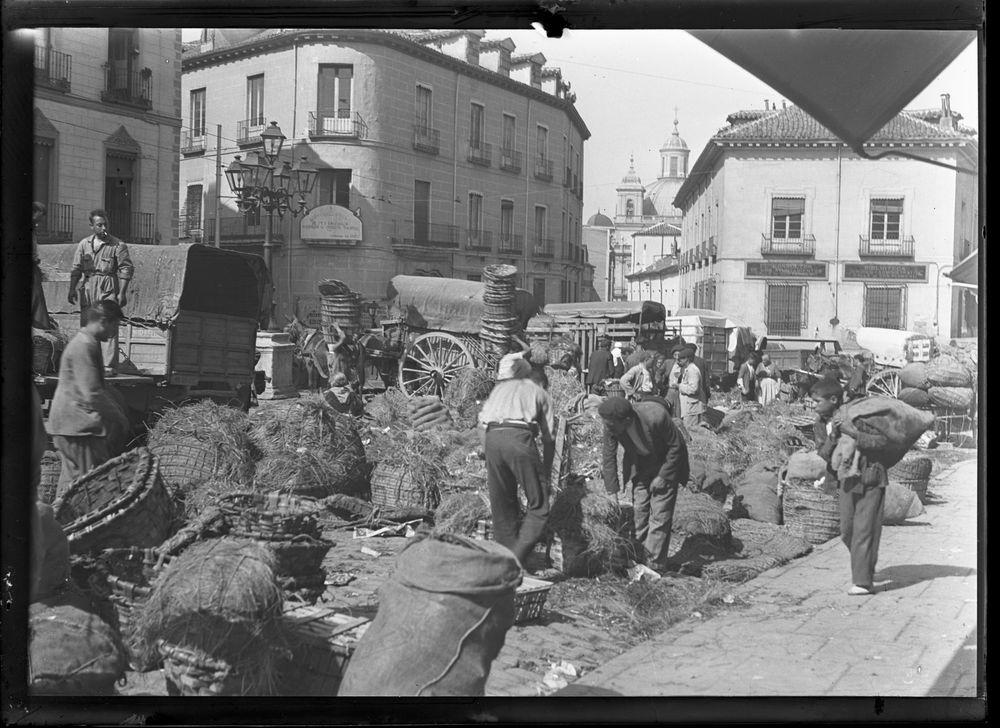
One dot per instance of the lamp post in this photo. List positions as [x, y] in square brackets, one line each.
[270, 184]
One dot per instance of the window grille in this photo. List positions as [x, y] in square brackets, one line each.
[885, 306]
[787, 308]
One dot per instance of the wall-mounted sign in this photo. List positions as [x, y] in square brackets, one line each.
[331, 225]
[776, 269]
[885, 272]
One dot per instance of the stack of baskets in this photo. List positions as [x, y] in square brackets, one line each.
[810, 512]
[48, 484]
[289, 527]
[122, 503]
[339, 305]
[913, 474]
[46, 350]
[499, 321]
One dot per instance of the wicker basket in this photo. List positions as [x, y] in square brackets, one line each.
[393, 486]
[300, 556]
[48, 485]
[918, 468]
[193, 672]
[121, 503]
[918, 486]
[185, 460]
[529, 599]
[613, 388]
[271, 516]
[322, 642]
[809, 512]
[42, 355]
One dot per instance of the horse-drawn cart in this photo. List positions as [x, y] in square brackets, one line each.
[433, 332]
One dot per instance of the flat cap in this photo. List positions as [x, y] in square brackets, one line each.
[615, 408]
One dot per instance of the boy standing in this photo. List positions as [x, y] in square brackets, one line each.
[862, 496]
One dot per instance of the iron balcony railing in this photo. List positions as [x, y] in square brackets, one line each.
[801, 246]
[510, 160]
[241, 229]
[52, 68]
[130, 88]
[878, 248]
[480, 153]
[511, 244]
[57, 224]
[479, 240]
[543, 169]
[189, 226]
[134, 227]
[192, 141]
[426, 139]
[335, 126]
[543, 247]
[248, 131]
[426, 234]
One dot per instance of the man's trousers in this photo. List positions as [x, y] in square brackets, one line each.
[512, 458]
[861, 530]
[79, 455]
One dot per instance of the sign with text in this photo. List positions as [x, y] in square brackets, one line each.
[775, 269]
[885, 272]
[332, 225]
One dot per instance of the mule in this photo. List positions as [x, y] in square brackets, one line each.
[311, 366]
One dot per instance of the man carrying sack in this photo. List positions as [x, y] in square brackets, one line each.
[656, 461]
[83, 417]
[104, 264]
[517, 410]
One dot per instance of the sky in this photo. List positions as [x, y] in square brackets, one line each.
[629, 82]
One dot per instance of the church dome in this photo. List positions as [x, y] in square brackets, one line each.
[600, 220]
[631, 179]
[674, 142]
[660, 196]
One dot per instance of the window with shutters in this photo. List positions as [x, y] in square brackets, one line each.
[192, 209]
[885, 306]
[198, 112]
[886, 218]
[509, 132]
[333, 187]
[542, 146]
[787, 308]
[477, 126]
[255, 100]
[424, 108]
[786, 217]
[475, 214]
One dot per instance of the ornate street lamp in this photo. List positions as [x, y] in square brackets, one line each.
[271, 184]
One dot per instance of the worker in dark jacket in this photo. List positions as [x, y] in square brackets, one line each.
[601, 366]
[656, 461]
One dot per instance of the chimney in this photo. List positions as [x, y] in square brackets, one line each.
[947, 120]
[783, 104]
[766, 104]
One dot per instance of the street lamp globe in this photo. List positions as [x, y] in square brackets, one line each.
[273, 141]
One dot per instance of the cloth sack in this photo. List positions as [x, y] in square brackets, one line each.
[806, 466]
[914, 375]
[72, 651]
[914, 397]
[441, 621]
[951, 397]
[947, 371]
[901, 504]
[901, 425]
[756, 495]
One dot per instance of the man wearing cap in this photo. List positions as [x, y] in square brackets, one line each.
[656, 461]
[600, 366]
[517, 410]
[638, 380]
[673, 380]
[689, 388]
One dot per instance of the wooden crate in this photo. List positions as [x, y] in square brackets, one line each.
[322, 642]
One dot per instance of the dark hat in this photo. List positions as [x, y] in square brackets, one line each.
[826, 386]
[677, 349]
[687, 350]
[693, 348]
[615, 408]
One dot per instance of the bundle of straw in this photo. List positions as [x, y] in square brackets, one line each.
[220, 597]
[387, 409]
[582, 513]
[420, 456]
[698, 514]
[565, 390]
[460, 511]
[759, 439]
[466, 393]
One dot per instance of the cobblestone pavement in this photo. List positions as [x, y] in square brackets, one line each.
[802, 634]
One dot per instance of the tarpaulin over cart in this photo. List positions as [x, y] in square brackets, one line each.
[448, 304]
[169, 278]
[631, 311]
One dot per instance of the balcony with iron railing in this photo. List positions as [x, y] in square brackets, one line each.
[803, 246]
[56, 226]
[52, 68]
[543, 169]
[129, 88]
[241, 230]
[192, 141]
[426, 139]
[479, 240]
[480, 153]
[424, 234]
[335, 126]
[189, 227]
[882, 248]
[543, 247]
[511, 160]
[248, 131]
[511, 244]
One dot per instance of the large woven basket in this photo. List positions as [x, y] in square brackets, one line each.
[918, 486]
[185, 460]
[271, 515]
[121, 503]
[193, 672]
[393, 486]
[918, 468]
[809, 512]
[51, 468]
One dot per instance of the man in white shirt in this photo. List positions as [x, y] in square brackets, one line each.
[690, 390]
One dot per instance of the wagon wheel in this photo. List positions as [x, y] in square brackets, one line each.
[430, 362]
[886, 383]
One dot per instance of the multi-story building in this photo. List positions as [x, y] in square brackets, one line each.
[438, 153]
[788, 230]
[658, 281]
[107, 130]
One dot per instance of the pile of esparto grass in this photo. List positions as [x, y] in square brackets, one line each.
[759, 439]
[595, 530]
[565, 390]
[465, 469]
[586, 439]
[310, 450]
[387, 409]
[221, 597]
[199, 443]
[466, 393]
[421, 455]
[460, 511]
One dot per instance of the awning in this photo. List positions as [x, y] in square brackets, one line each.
[729, 322]
[168, 278]
[851, 81]
[651, 311]
[660, 229]
[448, 304]
[966, 272]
